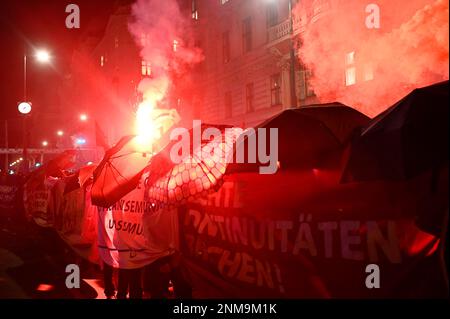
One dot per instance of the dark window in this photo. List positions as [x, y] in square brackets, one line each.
[249, 94]
[272, 15]
[247, 34]
[228, 105]
[275, 88]
[226, 46]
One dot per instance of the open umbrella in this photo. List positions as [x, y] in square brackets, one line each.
[199, 172]
[54, 168]
[405, 140]
[118, 173]
[309, 137]
[80, 178]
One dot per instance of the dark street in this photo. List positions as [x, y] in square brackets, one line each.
[33, 262]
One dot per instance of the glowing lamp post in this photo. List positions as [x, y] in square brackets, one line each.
[24, 107]
[59, 135]
[83, 117]
[42, 56]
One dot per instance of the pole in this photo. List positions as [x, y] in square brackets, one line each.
[24, 126]
[26, 165]
[293, 62]
[25, 78]
[6, 167]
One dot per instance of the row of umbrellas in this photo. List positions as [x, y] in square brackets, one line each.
[405, 140]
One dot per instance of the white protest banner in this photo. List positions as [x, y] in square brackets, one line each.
[121, 238]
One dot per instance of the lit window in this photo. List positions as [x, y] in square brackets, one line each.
[228, 105]
[175, 45]
[350, 69]
[249, 94]
[116, 42]
[194, 10]
[102, 60]
[350, 58]
[350, 76]
[146, 68]
[224, 1]
[275, 88]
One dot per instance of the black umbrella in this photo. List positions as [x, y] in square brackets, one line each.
[308, 137]
[405, 140]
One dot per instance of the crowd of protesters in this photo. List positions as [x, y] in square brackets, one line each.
[162, 278]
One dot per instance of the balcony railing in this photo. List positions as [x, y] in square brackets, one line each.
[282, 30]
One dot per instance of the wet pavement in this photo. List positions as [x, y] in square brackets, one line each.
[33, 261]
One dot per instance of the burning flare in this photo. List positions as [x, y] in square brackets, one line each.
[167, 47]
[151, 124]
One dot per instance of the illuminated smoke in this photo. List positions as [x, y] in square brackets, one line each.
[160, 28]
[409, 50]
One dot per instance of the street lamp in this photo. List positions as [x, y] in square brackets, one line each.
[42, 56]
[83, 117]
[44, 143]
[24, 107]
[60, 135]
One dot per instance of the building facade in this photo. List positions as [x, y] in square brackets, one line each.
[105, 73]
[245, 77]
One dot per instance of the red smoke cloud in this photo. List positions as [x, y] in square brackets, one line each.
[409, 50]
[156, 25]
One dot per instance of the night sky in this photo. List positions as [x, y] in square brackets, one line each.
[30, 24]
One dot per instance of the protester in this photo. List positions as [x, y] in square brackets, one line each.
[122, 244]
[130, 282]
[165, 271]
[108, 281]
[162, 233]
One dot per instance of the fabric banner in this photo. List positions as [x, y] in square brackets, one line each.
[304, 235]
[75, 219]
[123, 240]
[36, 198]
[8, 192]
